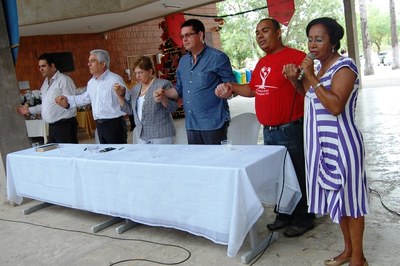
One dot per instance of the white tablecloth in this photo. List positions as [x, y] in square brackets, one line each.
[201, 189]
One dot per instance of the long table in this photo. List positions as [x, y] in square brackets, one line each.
[201, 189]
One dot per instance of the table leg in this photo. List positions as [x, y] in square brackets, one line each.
[36, 207]
[98, 227]
[126, 226]
[256, 246]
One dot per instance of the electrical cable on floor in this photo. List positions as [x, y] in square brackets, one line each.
[113, 238]
[262, 253]
[383, 204]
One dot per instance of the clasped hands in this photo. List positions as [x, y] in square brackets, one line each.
[224, 90]
[119, 90]
[22, 109]
[158, 94]
[291, 71]
[62, 101]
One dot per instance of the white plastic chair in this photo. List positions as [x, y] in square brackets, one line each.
[96, 137]
[244, 129]
[181, 136]
[135, 136]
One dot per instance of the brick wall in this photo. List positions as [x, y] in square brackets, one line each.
[140, 39]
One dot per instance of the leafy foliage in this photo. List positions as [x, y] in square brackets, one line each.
[237, 34]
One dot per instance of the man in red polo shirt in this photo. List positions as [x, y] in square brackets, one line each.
[279, 108]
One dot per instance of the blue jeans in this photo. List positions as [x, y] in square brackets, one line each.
[292, 138]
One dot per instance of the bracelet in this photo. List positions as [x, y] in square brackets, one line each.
[319, 84]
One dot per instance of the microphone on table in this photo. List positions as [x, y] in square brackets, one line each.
[301, 76]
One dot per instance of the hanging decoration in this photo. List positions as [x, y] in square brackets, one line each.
[281, 10]
[172, 51]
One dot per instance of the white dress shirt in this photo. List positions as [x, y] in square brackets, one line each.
[59, 84]
[100, 93]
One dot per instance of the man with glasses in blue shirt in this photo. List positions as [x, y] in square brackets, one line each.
[199, 72]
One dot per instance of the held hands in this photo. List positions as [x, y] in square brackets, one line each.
[291, 72]
[159, 95]
[22, 109]
[119, 90]
[224, 90]
[62, 101]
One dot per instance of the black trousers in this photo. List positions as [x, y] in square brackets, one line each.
[63, 131]
[132, 120]
[208, 137]
[112, 131]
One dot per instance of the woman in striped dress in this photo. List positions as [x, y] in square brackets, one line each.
[334, 148]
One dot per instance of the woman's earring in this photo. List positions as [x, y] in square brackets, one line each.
[333, 50]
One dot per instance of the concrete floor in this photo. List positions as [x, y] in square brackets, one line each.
[61, 236]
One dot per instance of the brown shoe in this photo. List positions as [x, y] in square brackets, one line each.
[278, 224]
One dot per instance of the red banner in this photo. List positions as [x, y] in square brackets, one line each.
[281, 10]
[174, 23]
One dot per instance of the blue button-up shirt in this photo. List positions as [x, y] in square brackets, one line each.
[196, 84]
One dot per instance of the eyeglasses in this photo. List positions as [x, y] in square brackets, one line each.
[187, 35]
[138, 73]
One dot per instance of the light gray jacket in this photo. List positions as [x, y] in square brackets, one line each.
[157, 120]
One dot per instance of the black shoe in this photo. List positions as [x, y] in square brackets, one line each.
[294, 231]
[278, 224]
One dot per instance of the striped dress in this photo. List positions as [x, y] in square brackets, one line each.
[334, 150]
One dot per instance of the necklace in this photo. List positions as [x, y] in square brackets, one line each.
[144, 90]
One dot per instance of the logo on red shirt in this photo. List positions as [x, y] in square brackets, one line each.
[264, 89]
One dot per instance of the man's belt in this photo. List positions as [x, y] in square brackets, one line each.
[62, 121]
[101, 121]
[283, 126]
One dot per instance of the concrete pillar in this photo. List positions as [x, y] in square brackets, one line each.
[351, 32]
[13, 134]
[351, 29]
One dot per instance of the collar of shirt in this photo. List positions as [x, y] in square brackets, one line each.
[102, 76]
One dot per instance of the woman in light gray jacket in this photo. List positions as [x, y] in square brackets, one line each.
[153, 118]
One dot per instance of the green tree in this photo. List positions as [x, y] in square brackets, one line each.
[237, 34]
[238, 37]
[378, 26]
[307, 10]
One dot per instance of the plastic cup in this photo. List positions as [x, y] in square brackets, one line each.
[226, 144]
